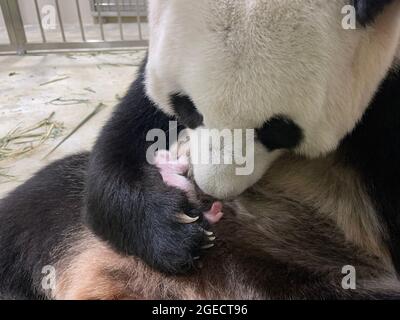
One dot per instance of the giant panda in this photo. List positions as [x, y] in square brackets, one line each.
[323, 195]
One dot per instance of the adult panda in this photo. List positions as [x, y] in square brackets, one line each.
[300, 224]
[285, 68]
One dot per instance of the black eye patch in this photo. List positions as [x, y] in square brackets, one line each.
[368, 10]
[186, 111]
[279, 133]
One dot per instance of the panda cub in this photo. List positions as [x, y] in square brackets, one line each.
[110, 222]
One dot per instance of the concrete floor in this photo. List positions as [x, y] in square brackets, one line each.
[25, 99]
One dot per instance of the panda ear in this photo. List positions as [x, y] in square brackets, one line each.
[368, 10]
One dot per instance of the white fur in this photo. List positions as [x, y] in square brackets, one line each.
[224, 180]
[242, 62]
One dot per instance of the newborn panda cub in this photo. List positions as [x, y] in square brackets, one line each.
[176, 172]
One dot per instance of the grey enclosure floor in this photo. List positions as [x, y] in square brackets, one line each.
[71, 86]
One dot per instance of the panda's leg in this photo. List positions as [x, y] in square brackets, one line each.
[127, 203]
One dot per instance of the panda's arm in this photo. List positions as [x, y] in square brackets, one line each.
[127, 202]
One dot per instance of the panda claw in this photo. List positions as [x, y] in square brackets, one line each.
[212, 238]
[208, 246]
[185, 219]
[208, 233]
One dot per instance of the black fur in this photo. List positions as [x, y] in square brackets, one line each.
[374, 150]
[127, 202]
[280, 133]
[34, 220]
[186, 111]
[368, 10]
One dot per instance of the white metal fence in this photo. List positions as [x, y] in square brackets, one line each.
[43, 25]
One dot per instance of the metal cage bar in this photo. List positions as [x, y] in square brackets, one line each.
[101, 10]
[100, 20]
[139, 22]
[78, 11]
[14, 25]
[60, 21]
[39, 19]
[121, 30]
[4, 37]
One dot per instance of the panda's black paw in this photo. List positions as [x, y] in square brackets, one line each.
[177, 234]
[178, 229]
